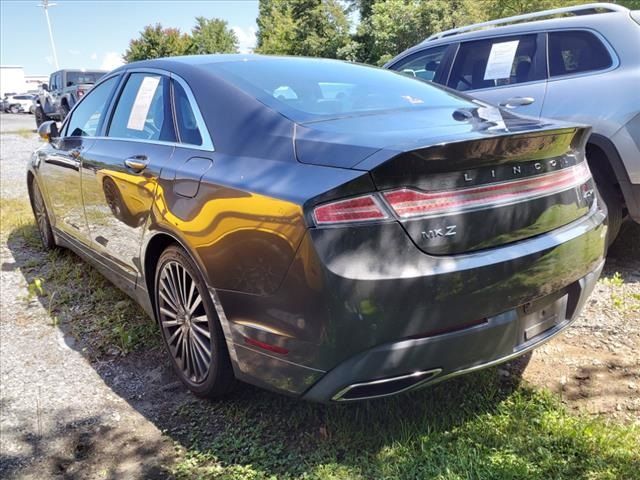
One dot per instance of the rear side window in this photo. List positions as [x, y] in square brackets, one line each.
[86, 116]
[143, 111]
[185, 118]
[423, 65]
[495, 62]
[575, 52]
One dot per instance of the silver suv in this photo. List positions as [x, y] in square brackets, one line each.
[580, 64]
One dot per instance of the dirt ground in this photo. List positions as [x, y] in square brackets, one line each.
[66, 412]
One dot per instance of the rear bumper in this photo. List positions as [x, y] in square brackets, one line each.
[365, 304]
[433, 359]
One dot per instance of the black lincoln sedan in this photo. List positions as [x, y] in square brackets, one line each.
[328, 230]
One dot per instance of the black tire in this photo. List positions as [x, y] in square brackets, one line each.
[615, 216]
[42, 217]
[187, 335]
[41, 117]
[64, 111]
[14, 109]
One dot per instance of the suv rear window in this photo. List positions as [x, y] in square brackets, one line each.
[576, 52]
[495, 62]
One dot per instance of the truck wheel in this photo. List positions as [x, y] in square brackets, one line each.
[41, 117]
[64, 110]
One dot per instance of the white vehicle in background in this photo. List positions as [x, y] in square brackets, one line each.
[580, 64]
[19, 103]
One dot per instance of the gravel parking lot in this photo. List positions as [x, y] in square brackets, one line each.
[70, 410]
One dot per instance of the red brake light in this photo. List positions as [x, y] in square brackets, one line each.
[408, 203]
[80, 93]
[359, 209]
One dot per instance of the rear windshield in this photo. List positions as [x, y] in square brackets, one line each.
[312, 89]
[78, 78]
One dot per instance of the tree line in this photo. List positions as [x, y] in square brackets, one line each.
[368, 31]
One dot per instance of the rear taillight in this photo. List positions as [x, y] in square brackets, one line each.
[80, 93]
[358, 209]
[409, 203]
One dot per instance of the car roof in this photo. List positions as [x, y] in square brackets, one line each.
[592, 20]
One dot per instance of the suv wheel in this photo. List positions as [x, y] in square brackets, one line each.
[189, 324]
[64, 110]
[612, 199]
[41, 117]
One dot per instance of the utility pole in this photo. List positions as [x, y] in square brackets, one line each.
[45, 5]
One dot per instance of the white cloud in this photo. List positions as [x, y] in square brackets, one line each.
[73, 51]
[94, 56]
[49, 59]
[111, 60]
[246, 39]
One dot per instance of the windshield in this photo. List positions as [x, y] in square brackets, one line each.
[78, 78]
[305, 89]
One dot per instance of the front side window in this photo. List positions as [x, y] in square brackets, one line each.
[423, 65]
[185, 118]
[495, 62]
[86, 116]
[143, 111]
[576, 52]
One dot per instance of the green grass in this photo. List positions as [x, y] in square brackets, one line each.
[76, 296]
[470, 428]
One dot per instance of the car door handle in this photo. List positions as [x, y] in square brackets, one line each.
[137, 163]
[517, 102]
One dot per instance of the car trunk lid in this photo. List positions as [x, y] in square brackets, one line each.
[469, 195]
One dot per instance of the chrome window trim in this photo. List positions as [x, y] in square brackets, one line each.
[207, 143]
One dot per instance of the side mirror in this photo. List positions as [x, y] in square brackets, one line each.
[45, 87]
[48, 131]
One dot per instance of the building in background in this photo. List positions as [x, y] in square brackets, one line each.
[33, 82]
[13, 80]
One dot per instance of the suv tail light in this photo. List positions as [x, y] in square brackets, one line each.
[408, 203]
[352, 210]
[80, 93]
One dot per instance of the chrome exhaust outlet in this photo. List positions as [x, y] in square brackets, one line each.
[384, 387]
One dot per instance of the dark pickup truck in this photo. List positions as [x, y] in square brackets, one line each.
[65, 88]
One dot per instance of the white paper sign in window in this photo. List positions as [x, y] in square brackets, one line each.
[501, 60]
[142, 103]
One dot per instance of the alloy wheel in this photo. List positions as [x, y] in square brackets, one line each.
[184, 322]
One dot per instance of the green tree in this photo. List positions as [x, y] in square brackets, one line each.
[155, 42]
[317, 28]
[395, 25]
[213, 35]
[507, 8]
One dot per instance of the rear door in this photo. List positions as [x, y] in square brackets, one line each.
[577, 87]
[120, 171]
[506, 71]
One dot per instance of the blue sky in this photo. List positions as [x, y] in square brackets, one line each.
[95, 33]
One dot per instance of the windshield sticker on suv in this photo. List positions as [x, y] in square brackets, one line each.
[142, 103]
[501, 60]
